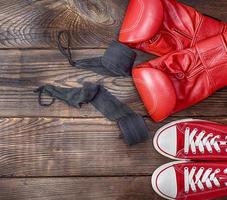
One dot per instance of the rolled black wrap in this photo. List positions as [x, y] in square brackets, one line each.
[132, 125]
[117, 60]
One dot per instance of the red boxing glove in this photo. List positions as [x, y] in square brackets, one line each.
[183, 78]
[163, 26]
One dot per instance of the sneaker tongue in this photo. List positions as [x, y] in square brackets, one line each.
[179, 169]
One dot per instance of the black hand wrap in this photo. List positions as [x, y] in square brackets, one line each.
[132, 125]
[117, 60]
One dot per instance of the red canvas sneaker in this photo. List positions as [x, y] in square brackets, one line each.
[192, 139]
[191, 180]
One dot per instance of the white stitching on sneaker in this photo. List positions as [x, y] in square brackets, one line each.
[201, 141]
[191, 179]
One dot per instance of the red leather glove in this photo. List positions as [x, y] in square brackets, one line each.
[163, 26]
[183, 78]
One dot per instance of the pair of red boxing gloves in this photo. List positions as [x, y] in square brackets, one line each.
[193, 50]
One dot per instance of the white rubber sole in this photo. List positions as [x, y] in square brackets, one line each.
[166, 126]
[157, 172]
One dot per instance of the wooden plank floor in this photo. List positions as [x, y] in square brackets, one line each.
[63, 153]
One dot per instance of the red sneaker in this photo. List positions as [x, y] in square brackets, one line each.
[192, 139]
[191, 180]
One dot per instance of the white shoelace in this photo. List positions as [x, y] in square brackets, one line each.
[201, 141]
[199, 179]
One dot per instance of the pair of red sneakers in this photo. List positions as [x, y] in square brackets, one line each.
[201, 173]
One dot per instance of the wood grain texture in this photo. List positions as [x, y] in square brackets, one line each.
[76, 146]
[37, 147]
[97, 188]
[34, 23]
[92, 188]
[22, 71]
[71, 147]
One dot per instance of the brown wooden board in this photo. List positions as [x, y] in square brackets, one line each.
[73, 188]
[22, 71]
[92, 188]
[73, 147]
[34, 24]
[59, 153]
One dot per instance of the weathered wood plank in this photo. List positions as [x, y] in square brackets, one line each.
[34, 24]
[22, 71]
[108, 188]
[73, 147]
[100, 188]
[70, 147]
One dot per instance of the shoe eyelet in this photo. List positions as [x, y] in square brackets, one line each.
[194, 167]
[194, 152]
